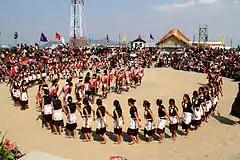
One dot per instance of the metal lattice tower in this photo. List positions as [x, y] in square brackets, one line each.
[78, 21]
[202, 35]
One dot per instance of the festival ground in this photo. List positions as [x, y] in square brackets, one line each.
[217, 139]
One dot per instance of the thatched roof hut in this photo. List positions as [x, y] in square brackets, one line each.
[174, 39]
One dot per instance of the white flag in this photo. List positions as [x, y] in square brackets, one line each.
[63, 40]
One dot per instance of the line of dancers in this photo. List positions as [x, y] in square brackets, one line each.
[196, 110]
[101, 81]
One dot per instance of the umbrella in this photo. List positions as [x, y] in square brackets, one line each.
[133, 55]
[25, 62]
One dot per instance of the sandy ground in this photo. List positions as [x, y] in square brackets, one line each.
[218, 139]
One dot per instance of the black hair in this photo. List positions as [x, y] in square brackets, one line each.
[44, 85]
[187, 96]
[105, 71]
[55, 96]
[117, 106]
[46, 91]
[69, 99]
[131, 101]
[146, 103]
[171, 101]
[85, 101]
[195, 94]
[159, 102]
[99, 102]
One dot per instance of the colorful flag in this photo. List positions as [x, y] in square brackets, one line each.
[107, 39]
[139, 37]
[223, 40]
[15, 35]
[58, 37]
[91, 37]
[151, 36]
[193, 39]
[43, 38]
[124, 38]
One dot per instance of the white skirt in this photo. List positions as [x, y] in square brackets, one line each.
[47, 109]
[186, 117]
[215, 100]
[44, 75]
[149, 125]
[100, 123]
[174, 119]
[161, 123]
[30, 78]
[80, 94]
[72, 118]
[133, 124]
[198, 114]
[87, 124]
[16, 93]
[39, 76]
[208, 106]
[105, 85]
[116, 125]
[34, 77]
[66, 98]
[201, 110]
[24, 96]
[57, 115]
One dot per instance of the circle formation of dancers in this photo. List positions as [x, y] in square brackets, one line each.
[196, 110]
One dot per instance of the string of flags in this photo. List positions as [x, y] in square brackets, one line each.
[44, 38]
[58, 37]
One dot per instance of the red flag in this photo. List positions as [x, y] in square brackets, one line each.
[139, 37]
[58, 37]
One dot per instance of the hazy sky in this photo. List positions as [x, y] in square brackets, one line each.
[131, 17]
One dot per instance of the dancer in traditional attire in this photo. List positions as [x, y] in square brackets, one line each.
[24, 95]
[57, 115]
[148, 115]
[71, 118]
[93, 87]
[236, 105]
[87, 120]
[208, 106]
[215, 95]
[101, 121]
[79, 90]
[201, 98]
[134, 122]
[118, 121]
[16, 91]
[47, 108]
[198, 110]
[187, 114]
[162, 114]
[174, 117]
[104, 84]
